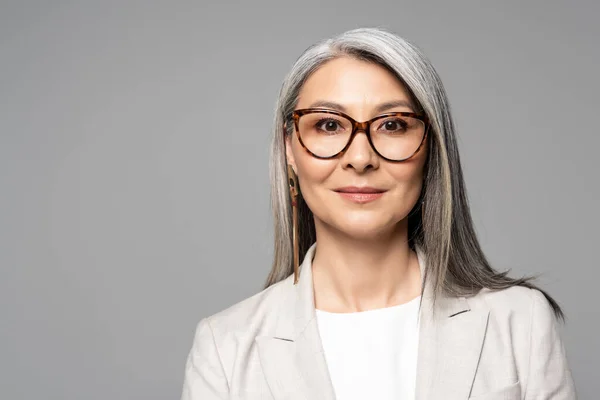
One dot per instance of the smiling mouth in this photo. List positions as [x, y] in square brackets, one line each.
[361, 197]
[359, 189]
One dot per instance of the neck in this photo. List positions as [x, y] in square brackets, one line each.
[353, 274]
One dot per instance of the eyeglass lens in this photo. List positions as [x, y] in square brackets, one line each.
[394, 137]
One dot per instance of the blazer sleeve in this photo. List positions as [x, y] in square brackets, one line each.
[549, 376]
[205, 377]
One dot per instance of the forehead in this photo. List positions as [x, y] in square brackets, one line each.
[352, 82]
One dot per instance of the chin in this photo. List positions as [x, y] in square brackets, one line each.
[363, 226]
[366, 233]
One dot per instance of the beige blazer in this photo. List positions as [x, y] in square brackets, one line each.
[501, 345]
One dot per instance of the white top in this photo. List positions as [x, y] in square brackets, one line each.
[372, 354]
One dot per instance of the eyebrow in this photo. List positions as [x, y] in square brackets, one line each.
[380, 108]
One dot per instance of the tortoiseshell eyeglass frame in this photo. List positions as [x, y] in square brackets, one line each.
[360, 126]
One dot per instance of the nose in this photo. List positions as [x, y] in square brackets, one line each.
[360, 155]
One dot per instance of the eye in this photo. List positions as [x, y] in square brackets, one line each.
[396, 124]
[393, 125]
[328, 125]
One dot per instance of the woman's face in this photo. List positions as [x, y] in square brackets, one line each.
[359, 87]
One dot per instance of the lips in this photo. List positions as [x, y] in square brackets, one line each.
[357, 189]
[360, 195]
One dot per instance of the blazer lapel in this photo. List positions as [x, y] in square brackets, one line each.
[450, 343]
[292, 359]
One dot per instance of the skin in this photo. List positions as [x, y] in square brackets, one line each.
[362, 261]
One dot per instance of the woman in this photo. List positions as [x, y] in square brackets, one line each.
[394, 298]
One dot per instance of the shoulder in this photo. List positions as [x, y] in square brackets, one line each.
[517, 311]
[226, 339]
[523, 325]
[252, 316]
[516, 300]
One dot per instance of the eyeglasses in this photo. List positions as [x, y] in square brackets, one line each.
[325, 134]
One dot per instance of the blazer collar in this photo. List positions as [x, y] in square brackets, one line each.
[450, 342]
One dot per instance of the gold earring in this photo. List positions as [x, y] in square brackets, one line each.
[293, 183]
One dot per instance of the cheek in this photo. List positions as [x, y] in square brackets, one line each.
[408, 188]
[313, 173]
[409, 183]
[407, 176]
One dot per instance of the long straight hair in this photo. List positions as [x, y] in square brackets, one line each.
[440, 223]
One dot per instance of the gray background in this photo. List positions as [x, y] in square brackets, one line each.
[134, 169]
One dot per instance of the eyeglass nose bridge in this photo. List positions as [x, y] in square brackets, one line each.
[361, 126]
[358, 127]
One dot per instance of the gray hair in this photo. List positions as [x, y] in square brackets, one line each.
[441, 223]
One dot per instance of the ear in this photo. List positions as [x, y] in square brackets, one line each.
[289, 154]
